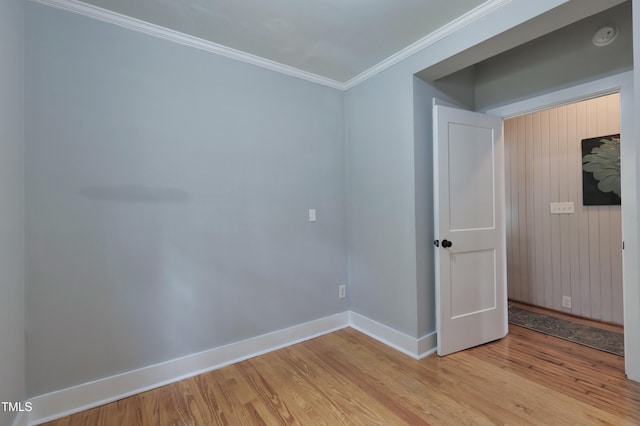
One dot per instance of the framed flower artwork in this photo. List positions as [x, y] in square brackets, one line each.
[601, 171]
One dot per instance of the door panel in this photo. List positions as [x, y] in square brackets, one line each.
[473, 154]
[473, 282]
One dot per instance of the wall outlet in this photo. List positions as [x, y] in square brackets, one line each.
[342, 291]
[566, 302]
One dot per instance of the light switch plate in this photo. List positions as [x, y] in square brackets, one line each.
[312, 215]
[562, 208]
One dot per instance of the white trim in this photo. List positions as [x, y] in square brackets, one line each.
[427, 345]
[457, 24]
[82, 397]
[21, 419]
[78, 398]
[95, 12]
[415, 348]
[581, 92]
[138, 25]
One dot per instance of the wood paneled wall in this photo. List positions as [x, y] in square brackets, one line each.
[550, 255]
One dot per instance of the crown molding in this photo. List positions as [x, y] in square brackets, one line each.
[138, 25]
[473, 15]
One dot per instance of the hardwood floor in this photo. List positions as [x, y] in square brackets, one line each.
[347, 378]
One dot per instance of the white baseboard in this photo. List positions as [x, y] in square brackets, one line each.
[427, 345]
[21, 419]
[415, 348]
[71, 400]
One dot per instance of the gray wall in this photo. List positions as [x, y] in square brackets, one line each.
[381, 201]
[390, 202]
[460, 85]
[167, 200]
[563, 58]
[12, 348]
[389, 179]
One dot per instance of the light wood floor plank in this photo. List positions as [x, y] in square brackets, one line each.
[348, 378]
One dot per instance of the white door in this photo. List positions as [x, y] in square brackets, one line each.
[471, 288]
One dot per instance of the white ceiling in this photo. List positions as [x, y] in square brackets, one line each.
[335, 39]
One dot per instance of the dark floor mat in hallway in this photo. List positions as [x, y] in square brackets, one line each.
[593, 337]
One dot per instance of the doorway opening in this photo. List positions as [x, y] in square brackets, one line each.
[530, 78]
[563, 255]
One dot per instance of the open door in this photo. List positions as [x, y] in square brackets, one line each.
[471, 288]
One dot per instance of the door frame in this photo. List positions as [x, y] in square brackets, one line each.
[620, 83]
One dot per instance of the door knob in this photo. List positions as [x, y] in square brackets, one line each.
[446, 243]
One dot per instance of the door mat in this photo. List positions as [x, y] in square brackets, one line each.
[593, 337]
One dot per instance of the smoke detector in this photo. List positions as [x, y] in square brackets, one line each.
[605, 35]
